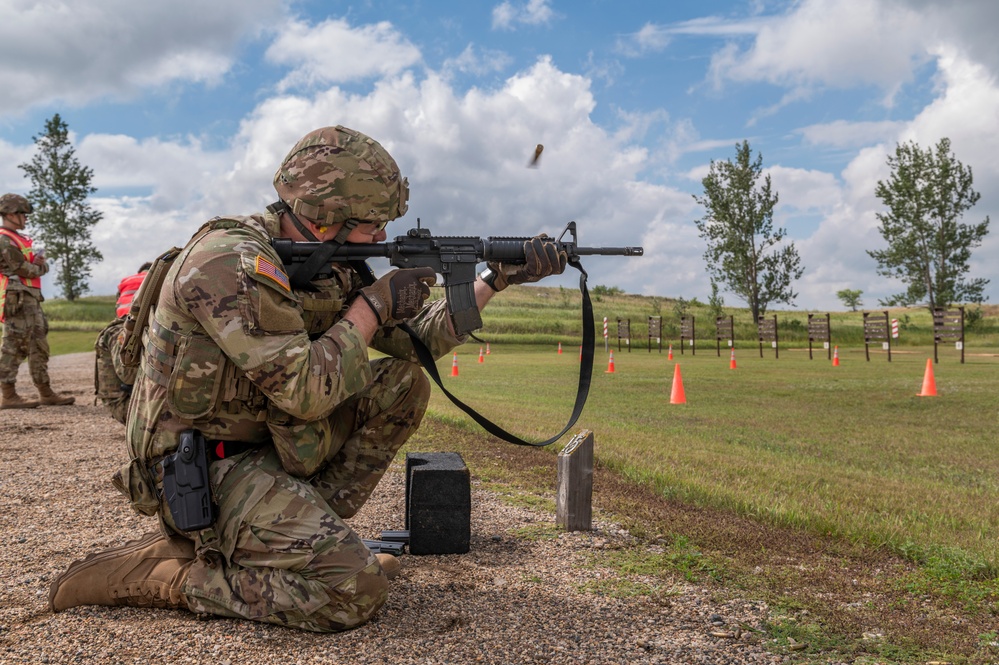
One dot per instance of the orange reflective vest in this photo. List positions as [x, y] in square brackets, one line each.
[127, 288]
[24, 244]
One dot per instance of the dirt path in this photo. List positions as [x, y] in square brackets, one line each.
[515, 598]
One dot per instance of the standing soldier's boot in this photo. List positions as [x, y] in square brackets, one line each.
[11, 400]
[149, 572]
[52, 399]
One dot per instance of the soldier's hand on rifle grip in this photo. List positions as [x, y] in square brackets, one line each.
[400, 294]
[542, 258]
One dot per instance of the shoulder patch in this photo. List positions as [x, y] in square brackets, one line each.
[264, 267]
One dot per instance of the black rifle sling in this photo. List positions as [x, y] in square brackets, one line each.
[582, 390]
[585, 364]
[302, 277]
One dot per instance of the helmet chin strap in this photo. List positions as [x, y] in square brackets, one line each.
[341, 236]
[280, 206]
[302, 277]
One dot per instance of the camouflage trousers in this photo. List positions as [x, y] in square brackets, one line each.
[25, 335]
[280, 551]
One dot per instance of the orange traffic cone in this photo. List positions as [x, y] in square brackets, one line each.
[481, 357]
[487, 348]
[610, 364]
[560, 348]
[677, 396]
[670, 356]
[580, 353]
[731, 361]
[929, 383]
[836, 356]
[454, 366]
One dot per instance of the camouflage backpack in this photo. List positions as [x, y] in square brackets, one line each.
[117, 350]
[112, 380]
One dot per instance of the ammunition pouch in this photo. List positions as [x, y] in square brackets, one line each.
[135, 482]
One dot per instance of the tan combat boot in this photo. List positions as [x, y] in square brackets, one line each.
[11, 400]
[52, 399]
[149, 572]
[390, 565]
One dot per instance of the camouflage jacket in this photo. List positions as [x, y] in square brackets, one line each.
[13, 264]
[234, 352]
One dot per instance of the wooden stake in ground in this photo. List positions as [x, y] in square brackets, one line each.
[574, 502]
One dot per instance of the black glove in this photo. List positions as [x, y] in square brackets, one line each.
[542, 258]
[400, 294]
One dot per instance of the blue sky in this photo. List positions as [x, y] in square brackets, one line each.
[184, 110]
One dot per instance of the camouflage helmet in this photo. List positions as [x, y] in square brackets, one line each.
[334, 174]
[13, 203]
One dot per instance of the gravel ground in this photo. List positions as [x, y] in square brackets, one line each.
[512, 599]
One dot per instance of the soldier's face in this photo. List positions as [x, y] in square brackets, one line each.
[15, 220]
[368, 232]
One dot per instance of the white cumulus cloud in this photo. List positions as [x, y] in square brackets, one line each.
[78, 52]
[507, 15]
[335, 52]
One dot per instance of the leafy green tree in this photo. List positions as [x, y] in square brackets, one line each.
[680, 307]
[850, 298]
[745, 252]
[715, 301]
[928, 248]
[60, 186]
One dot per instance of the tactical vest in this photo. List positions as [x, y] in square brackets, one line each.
[189, 382]
[24, 244]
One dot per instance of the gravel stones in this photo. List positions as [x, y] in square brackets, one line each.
[513, 598]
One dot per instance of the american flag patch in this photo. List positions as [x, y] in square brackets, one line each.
[268, 269]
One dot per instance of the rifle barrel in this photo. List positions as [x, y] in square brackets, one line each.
[610, 251]
[488, 249]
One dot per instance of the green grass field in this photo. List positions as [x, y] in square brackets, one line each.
[849, 451]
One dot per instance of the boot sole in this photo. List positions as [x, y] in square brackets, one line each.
[98, 557]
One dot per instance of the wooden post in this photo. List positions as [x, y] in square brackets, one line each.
[573, 504]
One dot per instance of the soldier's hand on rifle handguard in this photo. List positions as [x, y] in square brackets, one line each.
[400, 294]
[542, 258]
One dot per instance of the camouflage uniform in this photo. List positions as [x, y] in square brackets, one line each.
[236, 353]
[25, 327]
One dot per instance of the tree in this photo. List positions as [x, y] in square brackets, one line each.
[60, 186]
[715, 301]
[745, 252]
[928, 249]
[850, 298]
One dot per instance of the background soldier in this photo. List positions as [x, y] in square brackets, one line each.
[25, 328]
[127, 288]
[301, 425]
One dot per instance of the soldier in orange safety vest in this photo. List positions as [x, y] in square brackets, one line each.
[127, 288]
[25, 328]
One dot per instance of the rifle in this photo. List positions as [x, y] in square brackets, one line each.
[453, 257]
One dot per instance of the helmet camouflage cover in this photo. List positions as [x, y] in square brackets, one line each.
[334, 174]
[12, 203]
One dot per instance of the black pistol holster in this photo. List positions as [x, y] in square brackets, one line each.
[186, 487]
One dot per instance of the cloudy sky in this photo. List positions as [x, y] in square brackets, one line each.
[184, 109]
